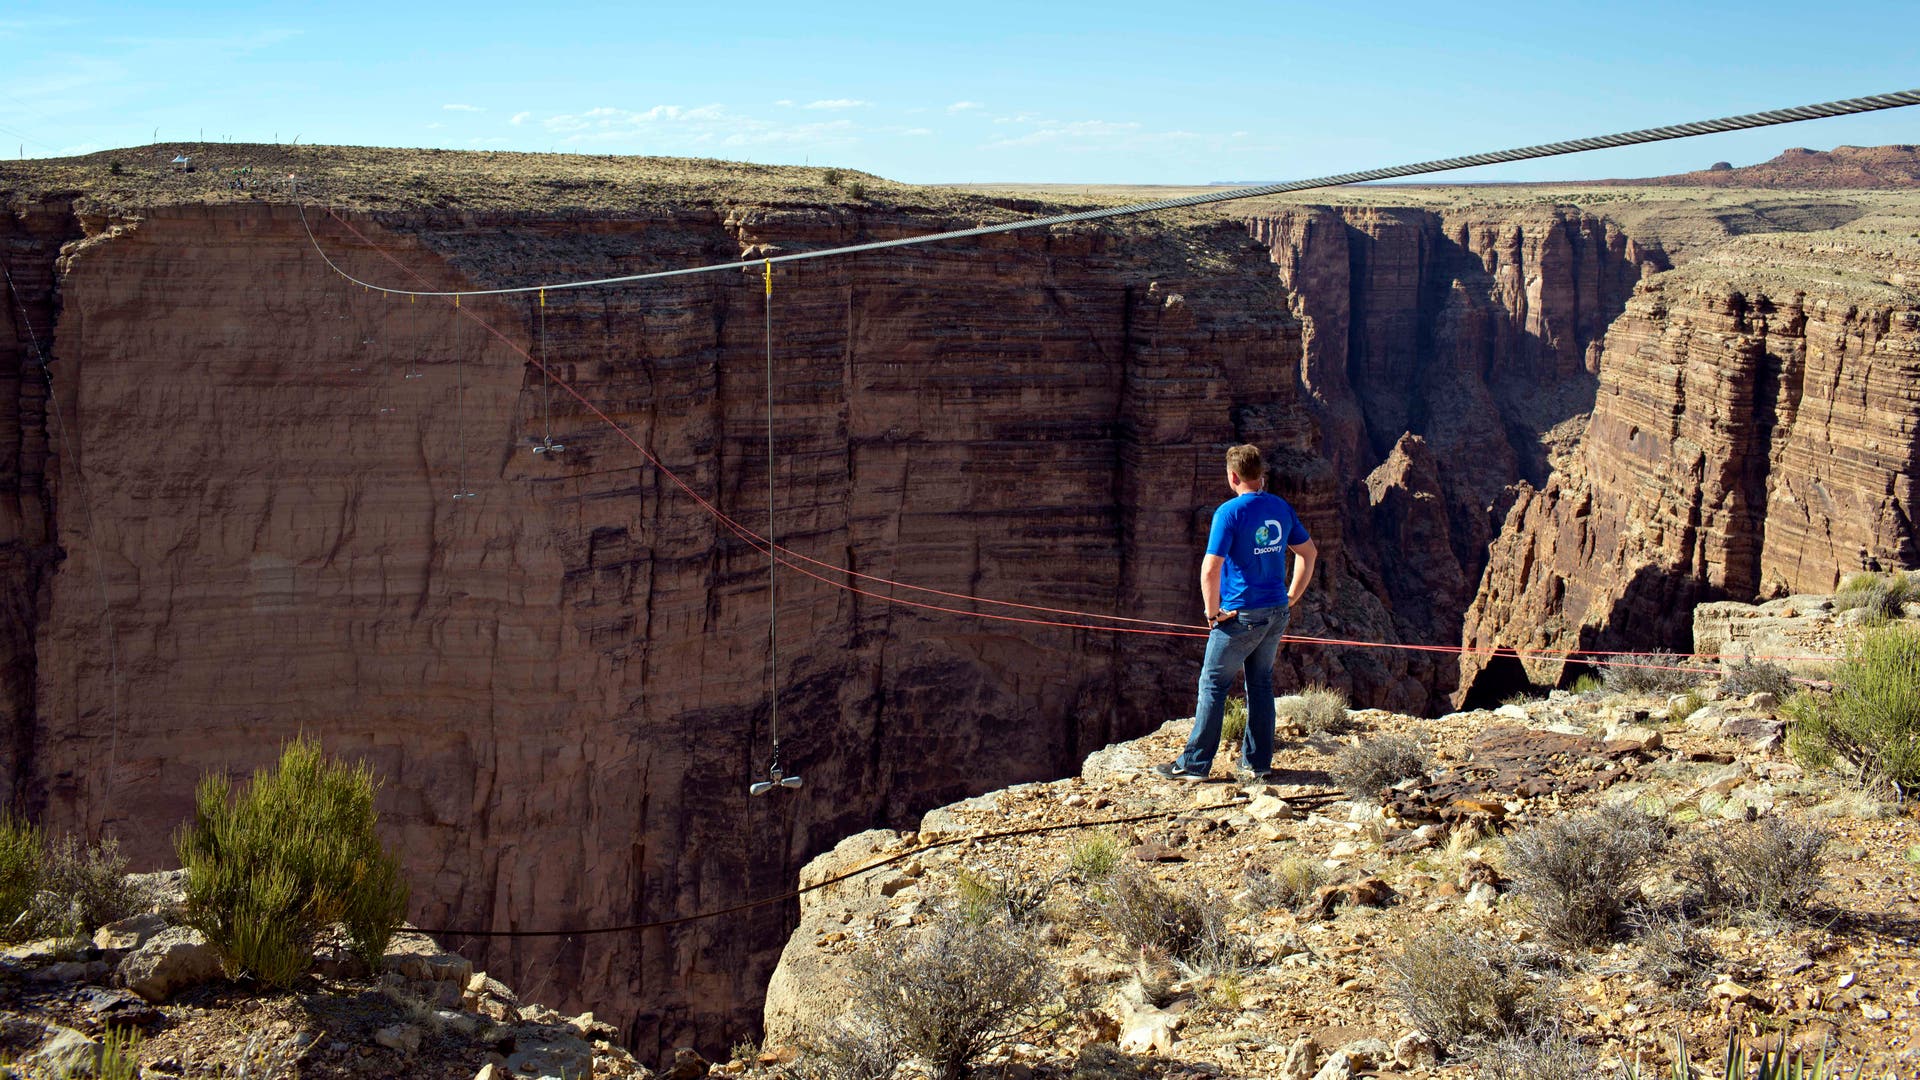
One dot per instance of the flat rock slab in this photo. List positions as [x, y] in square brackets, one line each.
[1506, 761]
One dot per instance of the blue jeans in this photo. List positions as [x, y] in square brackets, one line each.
[1250, 639]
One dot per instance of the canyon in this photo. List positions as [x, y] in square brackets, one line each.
[1510, 417]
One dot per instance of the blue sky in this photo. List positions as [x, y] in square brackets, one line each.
[1118, 92]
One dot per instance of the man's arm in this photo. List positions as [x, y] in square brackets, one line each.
[1304, 556]
[1210, 585]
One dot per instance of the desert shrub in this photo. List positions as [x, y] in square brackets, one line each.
[1686, 705]
[21, 857]
[1233, 722]
[985, 898]
[1657, 672]
[1757, 677]
[1095, 858]
[1534, 1056]
[82, 887]
[1878, 598]
[1577, 874]
[947, 998]
[833, 177]
[297, 851]
[1292, 884]
[1768, 868]
[1457, 989]
[1363, 771]
[1184, 924]
[1318, 710]
[852, 1048]
[1670, 950]
[857, 190]
[1872, 721]
[1588, 684]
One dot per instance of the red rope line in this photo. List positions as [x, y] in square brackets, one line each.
[793, 559]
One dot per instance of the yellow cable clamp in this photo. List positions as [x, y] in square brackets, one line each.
[769, 277]
[543, 298]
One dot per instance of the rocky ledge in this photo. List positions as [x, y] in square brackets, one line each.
[1313, 993]
[427, 1013]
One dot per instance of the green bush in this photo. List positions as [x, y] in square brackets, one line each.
[1872, 720]
[984, 898]
[21, 857]
[1878, 598]
[1578, 874]
[1096, 858]
[1588, 684]
[1233, 724]
[833, 177]
[270, 868]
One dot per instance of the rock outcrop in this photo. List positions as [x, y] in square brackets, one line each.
[1477, 331]
[1754, 436]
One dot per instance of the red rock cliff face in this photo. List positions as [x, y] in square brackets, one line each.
[562, 680]
[1439, 350]
[1748, 440]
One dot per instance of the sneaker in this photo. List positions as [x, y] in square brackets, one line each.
[1172, 771]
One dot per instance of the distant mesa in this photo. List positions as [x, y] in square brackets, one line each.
[1886, 167]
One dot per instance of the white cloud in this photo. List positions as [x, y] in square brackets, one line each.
[838, 103]
[785, 102]
[964, 106]
[520, 118]
[435, 126]
[917, 131]
[463, 108]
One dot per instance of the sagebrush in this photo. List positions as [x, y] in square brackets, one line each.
[1233, 720]
[1577, 875]
[1183, 923]
[1746, 677]
[1318, 710]
[83, 887]
[1549, 1055]
[270, 867]
[1878, 598]
[1458, 989]
[1364, 770]
[1657, 672]
[947, 998]
[1770, 868]
[1294, 883]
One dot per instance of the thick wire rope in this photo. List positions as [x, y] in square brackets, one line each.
[1745, 121]
[794, 560]
[546, 384]
[99, 569]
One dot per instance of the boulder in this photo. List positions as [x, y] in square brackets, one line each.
[417, 958]
[1303, 1059]
[170, 961]
[404, 1038]
[128, 934]
[63, 1052]
[547, 1052]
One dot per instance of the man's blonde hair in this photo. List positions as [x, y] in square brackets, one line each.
[1244, 462]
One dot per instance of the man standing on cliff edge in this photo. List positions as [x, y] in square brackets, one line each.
[1246, 593]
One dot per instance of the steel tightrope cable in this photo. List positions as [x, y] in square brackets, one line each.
[1745, 121]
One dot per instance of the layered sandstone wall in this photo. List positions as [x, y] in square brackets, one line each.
[563, 679]
[1753, 436]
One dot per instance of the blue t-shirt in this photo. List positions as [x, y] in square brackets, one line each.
[1252, 533]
